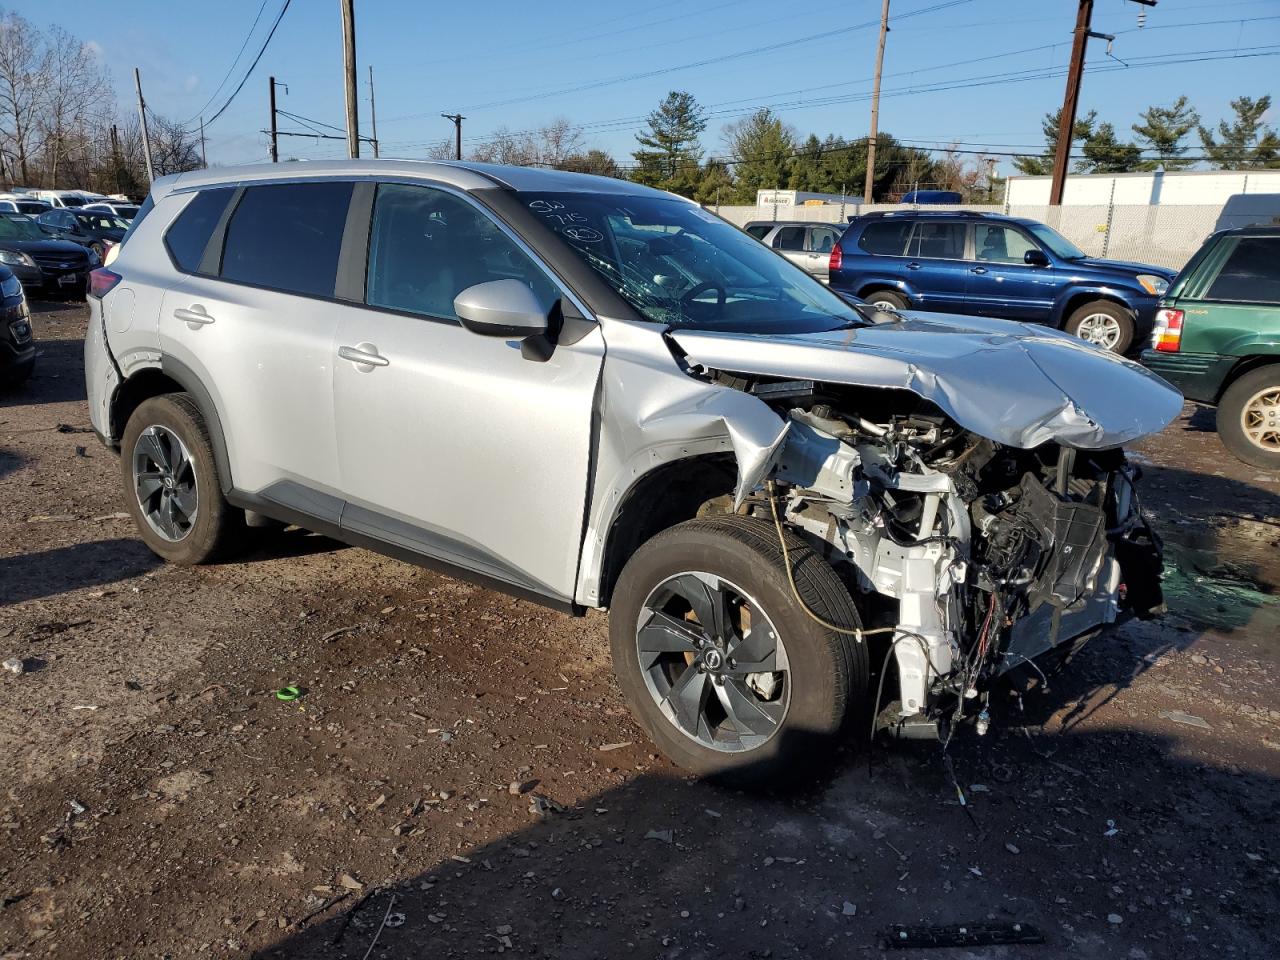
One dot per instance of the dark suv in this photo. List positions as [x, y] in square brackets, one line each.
[996, 266]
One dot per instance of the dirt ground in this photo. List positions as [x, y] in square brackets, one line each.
[459, 776]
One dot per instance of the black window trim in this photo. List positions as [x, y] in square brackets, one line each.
[966, 244]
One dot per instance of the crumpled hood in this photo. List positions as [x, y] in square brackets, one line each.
[1017, 384]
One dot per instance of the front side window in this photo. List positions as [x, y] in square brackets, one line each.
[287, 236]
[996, 244]
[189, 234]
[1056, 242]
[938, 241]
[426, 246]
[886, 238]
[1251, 273]
[679, 265]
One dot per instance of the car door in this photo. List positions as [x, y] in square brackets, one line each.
[254, 322]
[1001, 282]
[936, 269]
[819, 242]
[450, 443]
[790, 241]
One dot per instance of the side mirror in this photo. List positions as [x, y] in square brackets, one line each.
[501, 308]
[1035, 258]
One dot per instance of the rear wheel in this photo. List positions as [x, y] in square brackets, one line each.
[887, 299]
[720, 664]
[171, 483]
[1104, 324]
[1249, 417]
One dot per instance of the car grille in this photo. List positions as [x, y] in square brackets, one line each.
[61, 261]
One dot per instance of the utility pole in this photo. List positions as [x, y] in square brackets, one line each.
[349, 76]
[204, 161]
[875, 106]
[373, 113]
[1071, 100]
[275, 136]
[457, 119]
[115, 155]
[142, 118]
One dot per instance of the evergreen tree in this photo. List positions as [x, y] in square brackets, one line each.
[715, 184]
[1103, 153]
[762, 146]
[1247, 142]
[1042, 165]
[670, 148]
[1162, 132]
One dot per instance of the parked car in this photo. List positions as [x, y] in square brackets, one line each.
[63, 198]
[1217, 338]
[17, 204]
[997, 266]
[41, 263]
[807, 245]
[91, 229]
[17, 345]
[595, 394]
[118, 208]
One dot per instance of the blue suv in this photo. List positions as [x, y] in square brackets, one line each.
[996, 266]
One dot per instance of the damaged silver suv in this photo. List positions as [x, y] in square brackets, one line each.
[594, 394]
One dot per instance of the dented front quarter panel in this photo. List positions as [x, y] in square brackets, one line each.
[651, 412]
[1017, 384]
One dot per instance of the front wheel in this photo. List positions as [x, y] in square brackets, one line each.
[1249, 417]
[171, 483]
[720, 664]
[887, 300]
[1104, 324]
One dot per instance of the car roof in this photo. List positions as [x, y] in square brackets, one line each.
[1258, 230]
[790, 223]
[951, 214]
[463, 174]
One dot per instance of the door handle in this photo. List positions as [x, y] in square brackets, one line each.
[913, 265]
[196, 315]
[363, 353]
[978, 270]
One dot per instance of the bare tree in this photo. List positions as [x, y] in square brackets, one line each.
[75, 92]
[174, 149]
[24, 71]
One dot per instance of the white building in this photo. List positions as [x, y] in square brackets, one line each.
[1176, 188]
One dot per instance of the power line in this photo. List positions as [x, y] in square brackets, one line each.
[227, 76]
[249, 73]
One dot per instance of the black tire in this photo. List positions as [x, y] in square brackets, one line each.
[1122, 317]
[218, 529]
[828, 671]
[895, 300]
[1231, 411]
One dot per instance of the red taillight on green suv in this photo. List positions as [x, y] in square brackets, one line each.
[1166, 335]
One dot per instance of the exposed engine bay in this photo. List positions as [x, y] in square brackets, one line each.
[975, 557]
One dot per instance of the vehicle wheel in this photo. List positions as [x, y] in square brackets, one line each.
[1249, 417]
[719, 663]
[1107, 325]
[171, 483]
[888, 299]
[97, 250]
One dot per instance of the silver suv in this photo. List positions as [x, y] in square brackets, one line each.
[594, 394]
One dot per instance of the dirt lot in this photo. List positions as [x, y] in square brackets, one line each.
[157, 800]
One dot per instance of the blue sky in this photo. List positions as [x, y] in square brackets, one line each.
[522, 64]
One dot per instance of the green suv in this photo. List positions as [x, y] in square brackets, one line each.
[1217, 338]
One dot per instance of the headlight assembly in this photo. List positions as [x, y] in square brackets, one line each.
[16, 258]
[1153, 284]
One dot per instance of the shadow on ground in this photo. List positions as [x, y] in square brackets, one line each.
[46, 573]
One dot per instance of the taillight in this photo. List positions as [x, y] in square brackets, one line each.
[1166, 335]
[102, 281]
[837, 258]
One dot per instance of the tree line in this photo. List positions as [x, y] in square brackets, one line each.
[60, 125]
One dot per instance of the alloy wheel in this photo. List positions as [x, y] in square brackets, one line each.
[713, 662]
[164, 481]
[1260, 419]
[1101, 329]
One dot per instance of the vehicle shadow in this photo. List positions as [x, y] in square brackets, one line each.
[58, 376]
[46, 573]
[10, 461]
[670, 867]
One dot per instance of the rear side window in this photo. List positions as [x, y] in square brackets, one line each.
[189, 234]
[758, 230]
[287, 237]
[938, 241]
[822, 239]
[1251, 273]
[886, 238]
[789, 238]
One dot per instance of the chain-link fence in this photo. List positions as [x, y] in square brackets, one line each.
[1163, 235]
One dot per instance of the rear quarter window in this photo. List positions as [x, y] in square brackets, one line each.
[888, 238]
[287, 237]
[189, 234]
[1251, 273]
